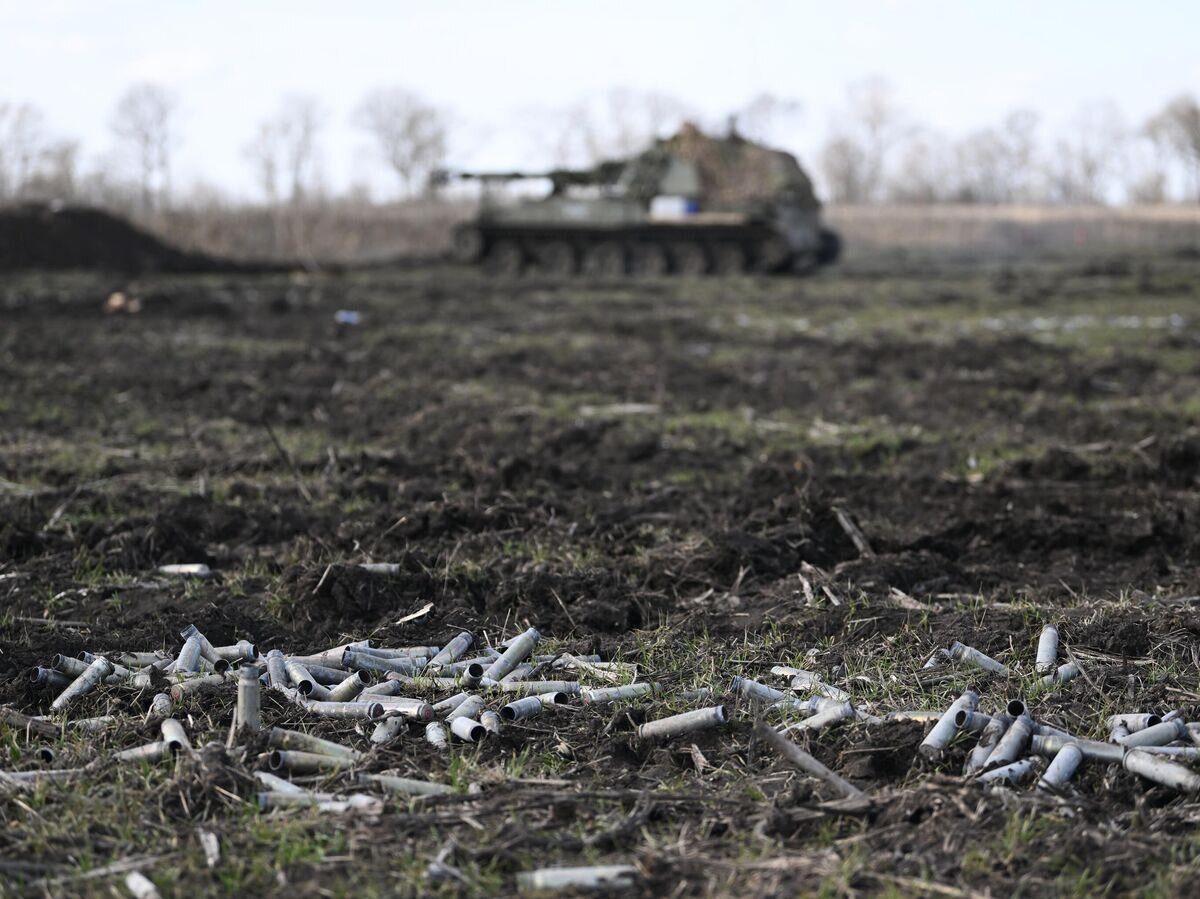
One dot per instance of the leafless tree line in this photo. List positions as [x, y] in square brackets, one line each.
[878, 154]
[285, 152]
[875, 151]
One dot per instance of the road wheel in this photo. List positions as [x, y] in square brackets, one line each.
[505, 258]
[556, 258]
[604, 260]
[773, 254]
[466, 244]
[729, 259]
[690, 259]
[829, 247]
[649, 260]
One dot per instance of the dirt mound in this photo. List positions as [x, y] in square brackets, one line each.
[52, 238]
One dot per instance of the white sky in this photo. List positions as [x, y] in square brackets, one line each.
[955, 65]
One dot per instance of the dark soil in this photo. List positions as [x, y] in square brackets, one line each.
[482, 435]
[51, 238]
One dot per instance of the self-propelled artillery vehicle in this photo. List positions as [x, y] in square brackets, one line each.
[689, 205]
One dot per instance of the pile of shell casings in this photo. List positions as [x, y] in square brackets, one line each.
[382, 690]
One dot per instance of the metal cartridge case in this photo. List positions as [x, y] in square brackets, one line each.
[1060, 771]
[1161, 770]
[1068, 671]
[279, 738]
[300, 762]
[452, 650]
[687, 722]
[348, 688]
[1157, 734]
[150, 752]
[83, 684]
[370, 711]
[468, 729]
[972, 656]
[435, 734]
[1048, 747]
[405, 786]
[491, 721]
[602, 695]
[1013, 744]
[1047, 650]
[206, 649]
[1014, 774]
[248, 715]
[468, 708]
[174, 736]
[944, 730]
[516, 652]
[527, 707]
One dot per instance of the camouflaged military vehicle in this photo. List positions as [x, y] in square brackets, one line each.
[689, 205]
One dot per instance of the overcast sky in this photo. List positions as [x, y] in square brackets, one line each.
[955, 65]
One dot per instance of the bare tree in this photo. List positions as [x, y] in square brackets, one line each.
[627, 121]
[409, 134]
[285, 151]
[22, 142]
[848, 173]
[618, 124]
[1084, 165]
[56, 176]
[982, 168]
[763, 116]
[618, 130]
[1177, 129]
[265, 153]
[924, 171]
[300, 122]
[556, 137]
[1149, 187]
[1020, 130]
[995, 165]
[285, 155]
[880, 123]
[662, 114]
[266, 156]
[144, 123]
[1148, 165]
[855, 159]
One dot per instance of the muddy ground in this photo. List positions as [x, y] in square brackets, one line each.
[653, 471]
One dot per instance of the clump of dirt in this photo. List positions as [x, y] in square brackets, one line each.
[1179, 459]
[19, 543]
[887, 756]
[346, 597]
[920, 573]
[206, 782]
[1126, 634]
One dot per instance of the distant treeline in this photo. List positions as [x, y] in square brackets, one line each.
[875, 153]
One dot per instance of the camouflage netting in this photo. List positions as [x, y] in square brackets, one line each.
[734, 171]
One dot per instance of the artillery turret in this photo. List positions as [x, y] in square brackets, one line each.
[689, 205]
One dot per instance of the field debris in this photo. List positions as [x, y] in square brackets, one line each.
[189, 569]
[584, 878]
[796, 756]
[141, 886]
[683, 723]
[461, 703]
